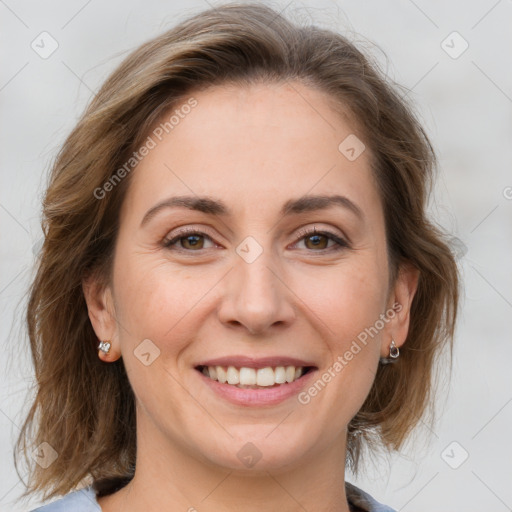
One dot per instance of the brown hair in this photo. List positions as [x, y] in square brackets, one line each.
[85, 408]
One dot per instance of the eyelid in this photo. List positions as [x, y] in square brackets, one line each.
[341, 241]
[184, 232]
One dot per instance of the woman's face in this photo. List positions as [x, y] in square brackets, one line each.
[249, 285]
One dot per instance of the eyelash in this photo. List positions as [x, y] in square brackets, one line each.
[184, 233]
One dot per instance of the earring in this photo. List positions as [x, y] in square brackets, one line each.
[394, 352]
[104, 346]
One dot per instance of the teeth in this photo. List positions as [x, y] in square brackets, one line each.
[265, 377]
[251, 377]
[221, 374]
[247, 376]
[233, 375]
[280, 375]
[290, 373]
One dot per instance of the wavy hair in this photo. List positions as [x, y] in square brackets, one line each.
[84, 408]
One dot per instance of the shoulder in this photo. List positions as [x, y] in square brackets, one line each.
[83, 500]
[357, 497]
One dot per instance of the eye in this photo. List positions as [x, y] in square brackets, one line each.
[190, 240]
[319, 239]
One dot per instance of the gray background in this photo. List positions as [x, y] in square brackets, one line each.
[465, 104]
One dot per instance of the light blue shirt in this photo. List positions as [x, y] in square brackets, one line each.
[85, 501]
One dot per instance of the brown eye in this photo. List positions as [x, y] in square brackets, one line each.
[192, 241]
[318, 241]
[187, 240]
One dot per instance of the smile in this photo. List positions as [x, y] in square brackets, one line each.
[254, 378]
[256, 387]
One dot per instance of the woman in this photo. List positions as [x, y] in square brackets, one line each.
[236, 245]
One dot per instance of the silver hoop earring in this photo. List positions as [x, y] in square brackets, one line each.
[104, 346]
[394, 352]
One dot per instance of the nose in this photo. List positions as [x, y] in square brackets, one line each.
[256, 296]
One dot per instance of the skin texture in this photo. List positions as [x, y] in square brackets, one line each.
[254, 148]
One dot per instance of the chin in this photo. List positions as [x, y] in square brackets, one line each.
[251, 452]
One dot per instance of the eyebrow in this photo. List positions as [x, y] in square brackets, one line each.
[211, 206]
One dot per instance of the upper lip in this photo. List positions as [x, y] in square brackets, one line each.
[253, 362]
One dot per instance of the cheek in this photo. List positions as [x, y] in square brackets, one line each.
[148, 302]
[348, 301]
[152, 304]
[347, 298]
[157, 300]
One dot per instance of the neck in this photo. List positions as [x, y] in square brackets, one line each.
[170, 478]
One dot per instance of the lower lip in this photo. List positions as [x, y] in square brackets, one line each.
[257, 397]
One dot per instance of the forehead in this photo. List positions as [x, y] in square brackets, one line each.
[254, 146]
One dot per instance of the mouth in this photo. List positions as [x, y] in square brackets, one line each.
[255, 378]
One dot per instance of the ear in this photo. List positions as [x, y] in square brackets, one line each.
[100, 307]
[400, 300]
